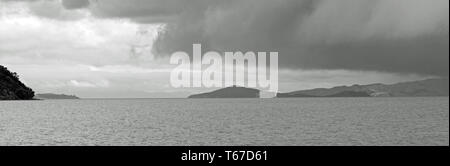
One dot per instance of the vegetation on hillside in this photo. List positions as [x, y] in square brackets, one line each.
[11, 88]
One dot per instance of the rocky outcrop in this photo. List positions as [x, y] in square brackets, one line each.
[11, 88]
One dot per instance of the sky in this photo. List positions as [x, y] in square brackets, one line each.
[121, 49]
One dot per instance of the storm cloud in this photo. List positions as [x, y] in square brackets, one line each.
[406, 36]
[75, 4]
[399, 36]
[393, 36]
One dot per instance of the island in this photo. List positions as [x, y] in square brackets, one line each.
[425, 88]
[51, 96]
[230, 92]
[11, 88]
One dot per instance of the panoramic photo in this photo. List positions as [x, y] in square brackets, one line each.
[224, 73]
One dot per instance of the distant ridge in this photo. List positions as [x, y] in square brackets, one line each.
[51, 96]
[230, 92]
[425, 88]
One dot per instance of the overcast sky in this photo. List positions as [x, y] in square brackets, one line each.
[116, 48]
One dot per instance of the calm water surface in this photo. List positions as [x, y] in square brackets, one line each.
[321, 121]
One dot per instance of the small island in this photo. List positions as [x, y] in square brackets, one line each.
[51, 96]
[11, 88]
[230, 92]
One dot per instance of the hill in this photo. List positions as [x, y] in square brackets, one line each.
[425, 88]
[51, 96]
[230, 92]
[11, 88]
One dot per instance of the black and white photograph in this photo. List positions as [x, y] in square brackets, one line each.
[227, 73]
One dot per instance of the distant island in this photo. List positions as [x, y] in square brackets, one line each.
[51, 96]
[425, 88]
[11, 88]
[230, 92]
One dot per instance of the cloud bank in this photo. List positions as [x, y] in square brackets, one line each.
[404, 36]
[408, 36]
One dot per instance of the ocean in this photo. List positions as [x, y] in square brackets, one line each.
[227, 122]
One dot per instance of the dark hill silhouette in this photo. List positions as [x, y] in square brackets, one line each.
[230, 92]
[51, 96]
[425, 88]
[11, 88]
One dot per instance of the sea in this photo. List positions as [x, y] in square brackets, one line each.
[226, 122]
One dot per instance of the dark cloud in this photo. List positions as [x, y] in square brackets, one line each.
[55, 9]
[150, 11]
[68, 4]
[18, 0]
[383, 35]
[402, 36]
[75, 4]
[428, 55]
